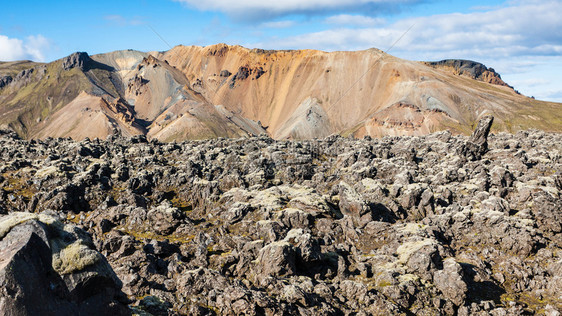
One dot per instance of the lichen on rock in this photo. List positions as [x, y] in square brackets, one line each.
[69, 258]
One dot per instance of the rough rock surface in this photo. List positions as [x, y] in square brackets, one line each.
[477, 145]
[470, 69]
[49, 268]
[76, 60]
[338, 226]
[5, 80]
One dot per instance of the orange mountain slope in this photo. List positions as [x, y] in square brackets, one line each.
[355, 93]
[231, 91]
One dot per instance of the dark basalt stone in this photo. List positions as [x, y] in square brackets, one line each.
[439, 224]
[77, 60]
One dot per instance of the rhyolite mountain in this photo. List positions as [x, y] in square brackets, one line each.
[192, 92]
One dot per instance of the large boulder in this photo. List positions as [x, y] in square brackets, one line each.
[48, 268]
[477, 145]
[76, 60]
[352, 204]
[276, 259]
[450, 282]
[164, 219]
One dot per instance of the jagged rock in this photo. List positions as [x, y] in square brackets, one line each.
[24, 75]
[420, 257]
[477, 145]
[295, 218]
[136, 83]
[450, 282]
[471, 69]
[161, 248]
[259, 72]
[49, 268]
[329, 226]
[242, 74]
[154, 306]
[164, 219]
[351, 202]
[276, 259]
[77, 60]
[4, 81]
[307, 248]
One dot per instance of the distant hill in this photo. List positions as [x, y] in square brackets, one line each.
[231, 91]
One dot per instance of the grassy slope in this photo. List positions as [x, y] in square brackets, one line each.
[12, 68]
[519, 112]
[21, 109]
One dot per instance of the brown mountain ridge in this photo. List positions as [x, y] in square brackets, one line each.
[192, 92]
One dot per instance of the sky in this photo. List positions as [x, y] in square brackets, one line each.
[520, 39]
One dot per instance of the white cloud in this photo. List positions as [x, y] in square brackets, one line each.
[32, 47]
[358, 20]
[35, 47]
[11, 48]
[520, 30]
[537, 76]
[552, 95]
[278, 24]
[263, 10]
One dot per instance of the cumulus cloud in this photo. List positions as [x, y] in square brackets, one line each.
[524, 29]
[357, 20]
[32, 47]
[263, 10]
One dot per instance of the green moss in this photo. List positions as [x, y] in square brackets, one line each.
[15, 67]
[72, 257]
[507, 298]
[407, 249]
[181, 204]
[68, 256]
[383, 284]
[137, 311]
[17, 185]
[14, 219]
[533, 303]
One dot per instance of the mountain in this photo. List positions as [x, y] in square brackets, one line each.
[192, 92]
[125, 92]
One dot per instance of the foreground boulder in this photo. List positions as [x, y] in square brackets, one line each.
[48, 268]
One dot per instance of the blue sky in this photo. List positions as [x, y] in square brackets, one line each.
[521, 39]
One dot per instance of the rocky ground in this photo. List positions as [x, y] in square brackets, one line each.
[431, 225]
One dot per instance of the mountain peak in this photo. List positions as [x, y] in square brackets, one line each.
[469, 68]
[192, 92]
[76, 60]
